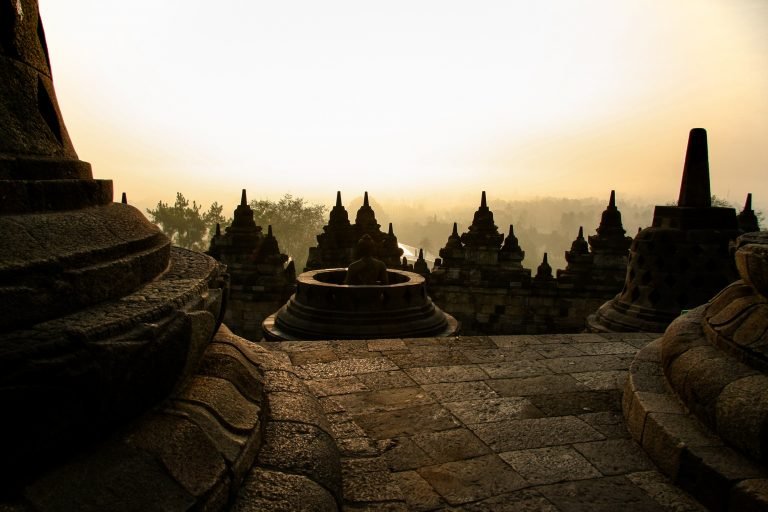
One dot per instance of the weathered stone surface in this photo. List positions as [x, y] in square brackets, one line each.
[600, 495]
[302, 449]
[615, 456]
[544, 384]
[466, 481]
[368, 480]
[550, 465]
[749, 495]
[450, 445]
[534, 433]
[386, 380]
[419, 495]
[408, 421]
[266, 490]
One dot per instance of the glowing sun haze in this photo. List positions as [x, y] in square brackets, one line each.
[414, 100]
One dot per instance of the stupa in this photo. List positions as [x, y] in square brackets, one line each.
[101, 318]
[681, 260]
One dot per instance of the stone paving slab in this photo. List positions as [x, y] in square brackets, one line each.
[524, 423]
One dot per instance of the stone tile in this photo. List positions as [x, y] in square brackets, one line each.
[404, 454]
[343, 426]
[426, 342]
[386, 380]
[304, 357]
[329, 405]
[553, 350]
[601, 380]
[385, 345]
[470, 342]
[387, 506]
[566, 404]
[608, 494]
[428, 357]
[661, 490]
[515, 341]
[536, 385]
[493, 409]
[263, 490]
[356, 447]
[615, 456]
[515, 369]
[496, 355]
[609, 423]
[456, 391]
[353, 349]
[336, 386]
[437, 374]
[419, 495]
[384, 400]
[450, 445]
[550, 465]
[297, 346]
[585, 364]
[506, 436]
[405, 422]
[605, 347]
[368, 480]
[520, 501]
[347, 367]
[468, 480]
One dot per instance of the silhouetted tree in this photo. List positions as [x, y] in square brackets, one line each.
[294, 221]
[187, 225]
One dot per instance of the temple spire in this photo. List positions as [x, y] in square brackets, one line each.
[391, 231]
[612, 202]
[694, 189]
[483, 203]
[243, 199]
[269, 230]
[218, 229]
[365, 199]
[124, 200]
[338, 198]
[455, 230]
[748, 203]
[581, 233]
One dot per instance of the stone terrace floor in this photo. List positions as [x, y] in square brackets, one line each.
[484, 423]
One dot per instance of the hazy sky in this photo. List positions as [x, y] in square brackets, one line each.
[415, 100]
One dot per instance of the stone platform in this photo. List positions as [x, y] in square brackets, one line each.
[483, 423]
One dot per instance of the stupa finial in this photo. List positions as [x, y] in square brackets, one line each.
[694, 189]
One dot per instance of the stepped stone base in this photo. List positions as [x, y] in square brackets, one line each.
[239, 435]
[685, 449]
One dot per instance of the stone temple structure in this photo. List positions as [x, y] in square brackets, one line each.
[480, 278]
[697, 398]
[101, 318]
[681, 260]
[118, 389]
[336, 245]
[261, 278]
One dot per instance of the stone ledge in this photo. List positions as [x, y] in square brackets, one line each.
[684, 448]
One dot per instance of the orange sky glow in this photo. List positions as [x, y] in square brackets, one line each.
[427, 101]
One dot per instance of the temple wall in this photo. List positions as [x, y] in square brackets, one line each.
[520, 310]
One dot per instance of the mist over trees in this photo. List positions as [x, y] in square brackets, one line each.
[541, 225]
[295, 223]
[187, 225]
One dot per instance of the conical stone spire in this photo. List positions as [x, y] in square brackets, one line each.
[483, 232]
[243, 217]
[694, 189]
[544, 271]
[339, 215]
[747, 219]
[420, 266]
[124, 199]
[365, 220]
